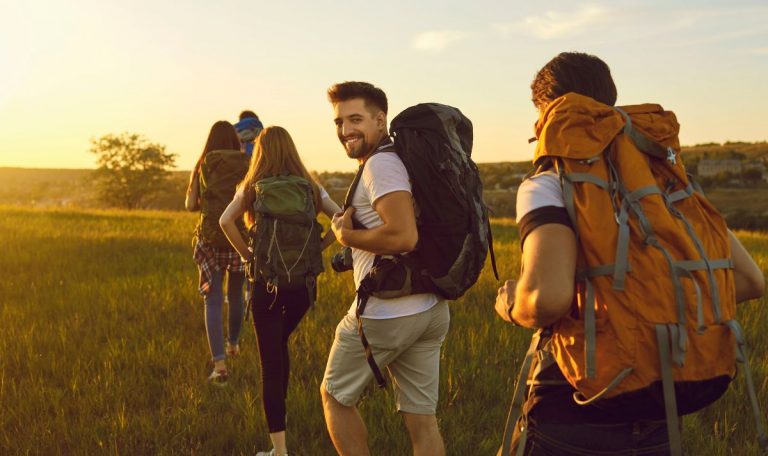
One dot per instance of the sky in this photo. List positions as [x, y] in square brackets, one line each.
[75, 70]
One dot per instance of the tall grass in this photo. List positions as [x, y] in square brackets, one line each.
[103, 351]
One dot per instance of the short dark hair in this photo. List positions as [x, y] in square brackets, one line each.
[372, 95]
[247, 114]
[577, 72]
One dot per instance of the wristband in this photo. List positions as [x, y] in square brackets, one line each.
[509, 314]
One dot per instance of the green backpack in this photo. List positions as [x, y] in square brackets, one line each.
[286, 237]
[220, 173]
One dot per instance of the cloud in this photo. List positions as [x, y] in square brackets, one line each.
[554, 24]
[436, 41]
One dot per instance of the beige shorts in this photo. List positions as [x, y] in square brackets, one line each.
[408, 347]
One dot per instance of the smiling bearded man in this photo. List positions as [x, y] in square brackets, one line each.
[405, 333]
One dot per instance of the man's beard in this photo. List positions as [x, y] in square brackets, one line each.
[362, 150]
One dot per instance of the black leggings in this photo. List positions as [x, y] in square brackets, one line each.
[273, 327]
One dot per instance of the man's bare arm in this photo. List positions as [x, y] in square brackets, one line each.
[397, 233]
[544, 291]
[748, 278]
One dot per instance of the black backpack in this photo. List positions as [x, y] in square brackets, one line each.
[434, 141]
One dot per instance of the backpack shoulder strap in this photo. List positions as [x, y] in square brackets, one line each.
[386, 147]
[352, 187]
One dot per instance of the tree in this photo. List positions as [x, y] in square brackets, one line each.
[132, 171]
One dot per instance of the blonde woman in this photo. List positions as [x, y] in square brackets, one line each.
[276, 312]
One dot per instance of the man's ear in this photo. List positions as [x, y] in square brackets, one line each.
[381, 120]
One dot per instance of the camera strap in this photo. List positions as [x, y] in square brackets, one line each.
[363, 294]
[386, 145]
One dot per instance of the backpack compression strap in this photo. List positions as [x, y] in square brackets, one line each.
[385, 146]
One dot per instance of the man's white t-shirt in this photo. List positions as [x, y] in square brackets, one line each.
[539, 191]
[383, 173]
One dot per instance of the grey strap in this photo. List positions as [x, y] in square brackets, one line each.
[679, 292]
[741, 357]
[523, 439]
[645, 224]
[670, 402]
[696, 186]
[601, 270]
[516, 406]
[590, 330]
[684, 268]
[679, 343]
[630, 201]
[586, 177]
[700, 326]
[699, 265]
[581, 400]
[642, 192]
[568, 201]
[643, 143]
[622, 248]
[713, 288]
[681, 194]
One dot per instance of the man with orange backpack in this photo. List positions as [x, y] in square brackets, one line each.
[631, 274]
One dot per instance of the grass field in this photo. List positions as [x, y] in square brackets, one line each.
[103, 351]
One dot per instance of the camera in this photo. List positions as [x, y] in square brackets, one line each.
[342, 261]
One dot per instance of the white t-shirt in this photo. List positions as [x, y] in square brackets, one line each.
[540, 202]
[539, 191]
[384, 173]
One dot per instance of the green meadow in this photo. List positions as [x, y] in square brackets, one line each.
[103, 351]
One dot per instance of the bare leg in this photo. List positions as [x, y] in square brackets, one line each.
[425, 435]
[278, 442]
[346, 427]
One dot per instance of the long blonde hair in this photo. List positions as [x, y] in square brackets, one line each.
[275, 154]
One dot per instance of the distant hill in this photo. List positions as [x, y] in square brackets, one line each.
[743, 150]
[73, 187]
[730, 150]
[38, 187]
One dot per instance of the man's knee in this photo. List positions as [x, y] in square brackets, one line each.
[329, 402]
[324, 394]
[420, 424]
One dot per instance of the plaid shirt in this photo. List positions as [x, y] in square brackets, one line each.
[209, 259]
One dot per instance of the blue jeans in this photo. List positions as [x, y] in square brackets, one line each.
[214, 301]
[642, 438]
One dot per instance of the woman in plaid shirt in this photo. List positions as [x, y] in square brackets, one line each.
[211, 186]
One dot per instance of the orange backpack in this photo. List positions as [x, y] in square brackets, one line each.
[655, 298]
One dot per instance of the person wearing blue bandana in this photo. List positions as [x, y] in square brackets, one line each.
[248, 128]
